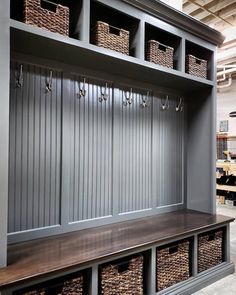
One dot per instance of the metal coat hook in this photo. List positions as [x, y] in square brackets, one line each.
[145, 102]
[128, 97]
[179, 107]
[19, 79]
[82, 91]
[166, 105]
[49, 83]
[104, 95]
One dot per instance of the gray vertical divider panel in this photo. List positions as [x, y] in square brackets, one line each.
[91, 149]
[171, 153]
[4, 124]
[134, 142]
[35, 149]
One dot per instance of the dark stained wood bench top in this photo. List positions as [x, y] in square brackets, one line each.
[32, 259]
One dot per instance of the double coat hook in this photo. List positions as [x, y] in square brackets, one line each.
[128, 97]
[104, 94]
[165, 106]
[145, 101]
[19, 78]
[179, 107]
[82, 91]
[48, 86]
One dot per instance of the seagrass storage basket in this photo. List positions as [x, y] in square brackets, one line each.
[159, 53]
[71, 286]
[172, 264]
[107, 36]
[123, 278]
[210, 249]
[54, 18]
[196, 66]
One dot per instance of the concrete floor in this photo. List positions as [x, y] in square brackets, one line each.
[227, 285]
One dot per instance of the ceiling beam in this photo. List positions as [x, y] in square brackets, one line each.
[213, 6]
[212, 15]
[189, 7]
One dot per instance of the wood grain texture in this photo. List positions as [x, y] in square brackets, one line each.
[29, 260]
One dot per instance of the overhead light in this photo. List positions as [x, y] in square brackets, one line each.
[230, 34]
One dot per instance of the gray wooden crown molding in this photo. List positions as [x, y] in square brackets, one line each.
[178, 19]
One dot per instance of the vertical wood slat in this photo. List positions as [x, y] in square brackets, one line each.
[134, 143]
[35, 149]
[91, 142]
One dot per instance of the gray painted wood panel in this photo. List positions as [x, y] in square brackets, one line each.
[35, 149]
[134, 140]
[91, 149]
[168, 144]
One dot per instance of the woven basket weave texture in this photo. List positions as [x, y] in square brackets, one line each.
[104, 38]
[35, 15]
[127, 282]
[210, 250]
[159, 53]
[172, 266]
[196, 67]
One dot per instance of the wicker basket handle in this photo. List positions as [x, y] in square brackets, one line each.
[122, 266]
[198, 60]
[211, 237]
[48, 5]
[114, 30]
[173, 249]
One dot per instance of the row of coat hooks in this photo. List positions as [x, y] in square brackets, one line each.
[104, 95]
[20, 80]
[128, 98]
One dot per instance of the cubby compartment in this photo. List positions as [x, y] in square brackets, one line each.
[173, 263]
[211, 249]
[119, 28]
[125, 276]
[198, 60]
[77, 283]
[49, 15]
[167, 43]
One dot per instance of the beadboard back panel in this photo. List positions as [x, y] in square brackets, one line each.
[35, 148]
[115, 142]
[133, 140]
[91, 149]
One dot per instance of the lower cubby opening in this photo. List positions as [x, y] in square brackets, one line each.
[173, 263]
[211, 249]
[78, 283]
[128, 275]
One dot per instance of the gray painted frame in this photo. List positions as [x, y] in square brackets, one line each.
[4, 124]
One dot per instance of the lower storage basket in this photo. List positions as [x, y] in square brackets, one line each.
[124, 278]
[172, 264]
[110, 37]
[68, 287]
[160, 54]
[196, 66]
[47, 15]
[210, 252]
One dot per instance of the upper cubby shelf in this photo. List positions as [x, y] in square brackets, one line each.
[55, 47]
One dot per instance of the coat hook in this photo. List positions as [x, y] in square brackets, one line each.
[166, 105]
[104, 95]
[128, 97]
[82, 90]
[179, 107]
[49, 83]
[145, 102]
[19, 79]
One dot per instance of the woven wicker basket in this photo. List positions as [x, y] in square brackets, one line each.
[159, 53]
[35, 15]
[123, 279]
[111, 37]
[196, 66]
[69, 287]
[172, 265]
[210, 250]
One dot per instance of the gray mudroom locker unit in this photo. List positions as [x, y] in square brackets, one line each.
[105, 155]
